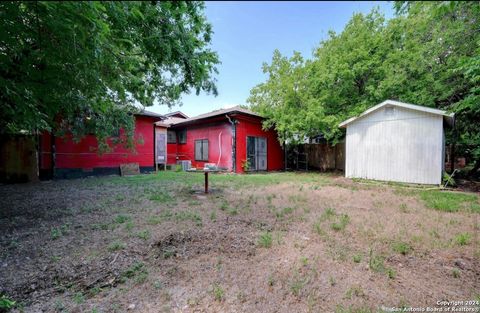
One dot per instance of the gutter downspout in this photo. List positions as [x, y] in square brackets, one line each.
[234, 143]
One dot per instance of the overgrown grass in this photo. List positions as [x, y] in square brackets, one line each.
[448, 201]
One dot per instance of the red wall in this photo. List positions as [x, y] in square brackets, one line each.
[214, 132]
[69, 154]
[253, 127]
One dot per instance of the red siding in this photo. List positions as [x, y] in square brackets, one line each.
[253, 127]
[217, 132]
[69, 155]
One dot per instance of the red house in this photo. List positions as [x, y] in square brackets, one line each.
[63, 158]
[232, 139]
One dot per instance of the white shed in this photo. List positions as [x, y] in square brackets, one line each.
[396, 141]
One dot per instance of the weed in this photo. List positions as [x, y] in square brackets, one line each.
[168, 253]
[375, 262]
[391, 273]
[297, 284]
[137, 270]
[332, 281]
[285, 211]
[158, 285]
[304, 260]
[129, 225]
[401, 247]
[354, 291]
[265, 240]
[270, 280]
[57, 232]
[456, 273]
[403, 208]
[6, 303]
[224, 206]
[120, 219]
[357, 258]
[116, 245]
[462, 239]
[78, 298]
[213, 216]
[341, 223]
[161, 197]
[232, 211]
[218, 293]
[144, 234]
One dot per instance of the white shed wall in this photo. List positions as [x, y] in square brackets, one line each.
[406, 146]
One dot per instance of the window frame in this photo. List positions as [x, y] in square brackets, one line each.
[202, 152]
[179, 136]
[168, 137]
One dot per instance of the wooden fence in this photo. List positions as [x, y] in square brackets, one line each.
[325, 157]
[18, 159]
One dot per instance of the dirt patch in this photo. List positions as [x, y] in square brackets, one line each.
[261, 243]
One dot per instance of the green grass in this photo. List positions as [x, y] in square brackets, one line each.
[116, 245]
[144, 234]
[218, 292]
[357, 258]
[462, 239]
[448, 201]
[401, 247]
[161, 197]
[341, 222]
[265, 240]
[137, 271]
[120, 219]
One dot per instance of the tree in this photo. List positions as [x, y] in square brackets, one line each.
[84, 67]
[427, 54]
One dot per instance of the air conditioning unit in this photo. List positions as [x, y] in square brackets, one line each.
[186, 164]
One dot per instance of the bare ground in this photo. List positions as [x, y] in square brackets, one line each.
[281, 242]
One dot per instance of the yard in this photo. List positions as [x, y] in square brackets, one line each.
[279, 242]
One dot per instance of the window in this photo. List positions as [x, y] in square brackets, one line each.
[171, 136]
[182, 136]
[201, 150]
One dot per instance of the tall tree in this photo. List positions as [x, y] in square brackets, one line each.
[89, 64]
[427, 54]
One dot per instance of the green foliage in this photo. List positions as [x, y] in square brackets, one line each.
[341, 222]
[401, 247]
[265, 240]
[463, 239]
[218, 292]
[429, 54]
[116, 245]
[447, 201]
[81, 67]
[246, 165]
[6, 303]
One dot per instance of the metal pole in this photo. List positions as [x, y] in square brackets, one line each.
[206, 182]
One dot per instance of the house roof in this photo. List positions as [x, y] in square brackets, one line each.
[150, 114]
[177, 114]
[235, 109]
[448, 117]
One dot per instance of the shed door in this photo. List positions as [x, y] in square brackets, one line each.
[161, 146]
[261, 153]
[257, 153]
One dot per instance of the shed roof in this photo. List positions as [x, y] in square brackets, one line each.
[448, 117]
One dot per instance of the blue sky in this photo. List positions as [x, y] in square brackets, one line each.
[246, 33]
